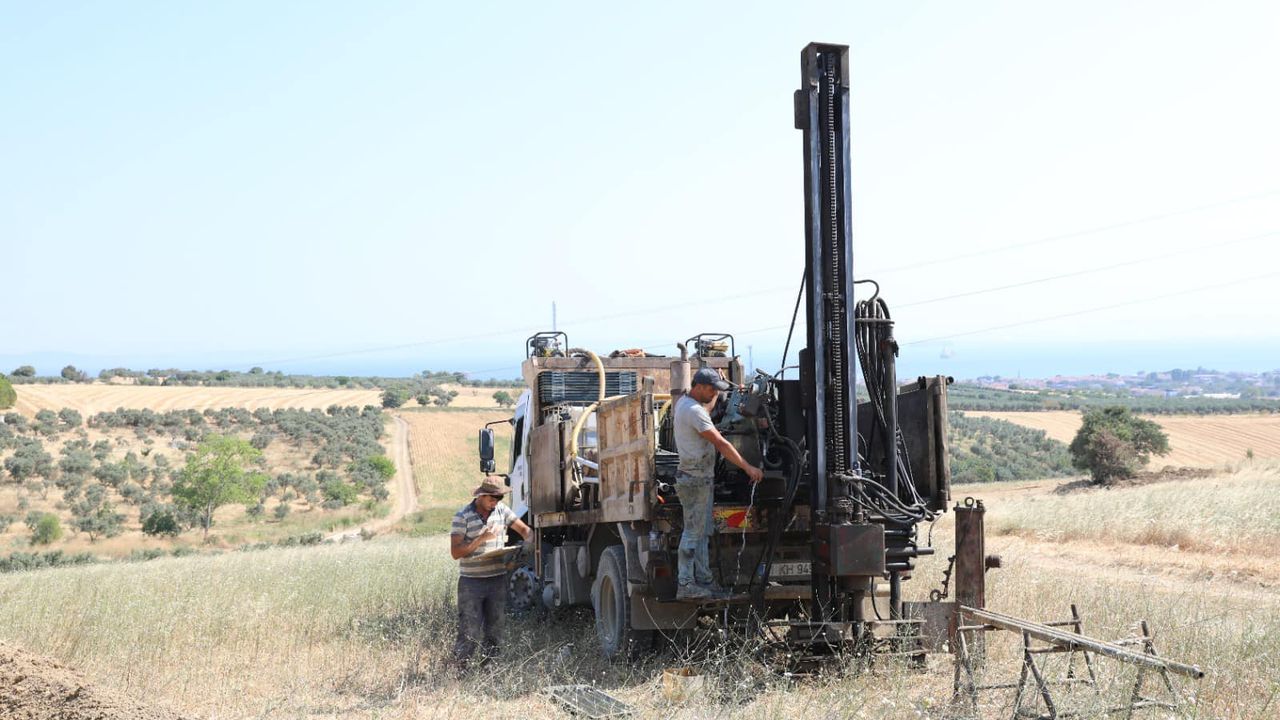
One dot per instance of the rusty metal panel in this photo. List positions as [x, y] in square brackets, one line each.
[971, 553]
[939, 627]
[942, 491]
[627, 442]
[545, 494]
[922, 420]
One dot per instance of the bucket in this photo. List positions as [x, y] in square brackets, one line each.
[680, 684]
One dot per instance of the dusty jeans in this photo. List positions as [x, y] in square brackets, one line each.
[482, 604]
[695, 502]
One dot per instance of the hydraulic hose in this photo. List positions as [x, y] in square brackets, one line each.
[577, 428]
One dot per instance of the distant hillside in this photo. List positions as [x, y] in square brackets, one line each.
[961, 396]
[987, 450]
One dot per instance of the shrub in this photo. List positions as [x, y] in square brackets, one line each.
[29, 460]
[161, 522]
[8, 396]
[71, 417]
[113, 474]
[46, 530]
[1113, 443]
[103, 522]
[338, 491]
[71, 374]
[75, 461]
[46, 422]
[393, 397]
[282, 511]
[24, 371]
[442, 397]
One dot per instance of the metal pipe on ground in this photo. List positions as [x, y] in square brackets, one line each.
[1076, 641]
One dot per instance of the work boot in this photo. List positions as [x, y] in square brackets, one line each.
[716, 591]
[692, 592]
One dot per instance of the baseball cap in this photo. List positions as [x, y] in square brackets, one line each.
[707, 376]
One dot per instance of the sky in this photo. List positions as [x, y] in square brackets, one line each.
[388, 187]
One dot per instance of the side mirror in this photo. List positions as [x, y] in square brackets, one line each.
[487, 465]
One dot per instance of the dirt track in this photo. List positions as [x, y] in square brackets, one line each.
[36, 688]
[405, 489]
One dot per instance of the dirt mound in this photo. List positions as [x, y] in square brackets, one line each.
[34, 687]
[1144, 477]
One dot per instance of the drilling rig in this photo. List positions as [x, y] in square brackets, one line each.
[815, 555]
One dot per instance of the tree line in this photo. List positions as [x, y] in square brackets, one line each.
[974, 398]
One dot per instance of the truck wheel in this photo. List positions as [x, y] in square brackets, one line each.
[523, 590]
[612, 604]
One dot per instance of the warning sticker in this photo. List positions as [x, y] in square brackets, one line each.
[730, 519]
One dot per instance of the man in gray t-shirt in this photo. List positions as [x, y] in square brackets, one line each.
[697, 441]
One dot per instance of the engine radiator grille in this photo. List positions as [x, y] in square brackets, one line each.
[556, 386]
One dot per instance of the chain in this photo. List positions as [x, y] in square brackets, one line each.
[936, 595]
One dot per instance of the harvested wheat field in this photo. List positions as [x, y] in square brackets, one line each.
[442, 450]
[1194, 440]
[479, 397]
[95, 398]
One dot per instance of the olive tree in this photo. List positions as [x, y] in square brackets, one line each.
[216, 474]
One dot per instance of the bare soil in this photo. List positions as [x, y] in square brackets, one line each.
[35, 687]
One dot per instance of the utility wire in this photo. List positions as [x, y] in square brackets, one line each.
[1050, 278]
[773, 290]
[1230, 283]
[1078, 233]
[1087, 271]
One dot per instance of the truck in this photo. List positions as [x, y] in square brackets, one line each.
[815, 555]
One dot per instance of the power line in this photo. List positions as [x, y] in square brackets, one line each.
[1088, 271]
[1079, 233]
[1076, 273]
[1139, 301]
[774, 290]
[509, 332]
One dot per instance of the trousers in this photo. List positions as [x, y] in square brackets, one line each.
[482, 605]
[695, 502]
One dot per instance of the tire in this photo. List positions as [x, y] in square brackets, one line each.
[612, 604]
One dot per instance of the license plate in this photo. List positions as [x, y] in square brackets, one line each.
[790, 570]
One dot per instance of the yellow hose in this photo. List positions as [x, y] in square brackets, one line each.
[577, 425]
[577, 428]
[662, 413]
[582, 419]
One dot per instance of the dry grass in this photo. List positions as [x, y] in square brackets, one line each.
[1234, 513]
[1194, 440]
[363, 630]
[95, 398]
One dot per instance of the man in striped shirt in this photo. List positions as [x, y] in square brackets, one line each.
[479, 528]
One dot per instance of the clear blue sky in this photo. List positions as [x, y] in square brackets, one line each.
[288, 184]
